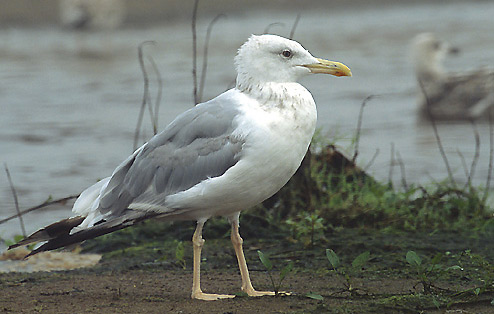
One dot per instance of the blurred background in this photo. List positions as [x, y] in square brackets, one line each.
[71, 91]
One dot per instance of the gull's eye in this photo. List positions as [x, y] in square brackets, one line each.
[286, 53]
[436, 45]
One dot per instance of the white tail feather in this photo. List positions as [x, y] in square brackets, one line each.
[87, 204]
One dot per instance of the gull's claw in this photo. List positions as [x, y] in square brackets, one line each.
[210, 296]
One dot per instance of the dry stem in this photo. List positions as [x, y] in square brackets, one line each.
[16, 201]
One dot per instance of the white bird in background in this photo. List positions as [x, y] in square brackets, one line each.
[92, 14]
[216, 159]
[92, 19]
[449, 95]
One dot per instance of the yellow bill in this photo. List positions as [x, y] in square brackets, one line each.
[329, 67]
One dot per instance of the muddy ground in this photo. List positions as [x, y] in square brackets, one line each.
[153, 291]
[148, 278]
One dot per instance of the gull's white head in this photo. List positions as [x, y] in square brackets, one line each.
[270, 58]
[428, 53]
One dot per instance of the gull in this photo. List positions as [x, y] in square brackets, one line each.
[216, 159]
[91, 14]
[94, 23]
[449, 96]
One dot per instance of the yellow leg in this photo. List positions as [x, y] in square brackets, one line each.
[198, 243]
[244, 271]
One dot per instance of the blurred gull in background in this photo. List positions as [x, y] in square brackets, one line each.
[449, 95]
[88, 17]
[92, 14]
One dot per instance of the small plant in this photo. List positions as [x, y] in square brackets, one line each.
[180, 255]
[307, 227]
[428, 274]
[314, 296]
[269, 267]
[483, 274]
[347, 271]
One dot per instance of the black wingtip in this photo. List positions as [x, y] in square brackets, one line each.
[59, 234]
[56, 230]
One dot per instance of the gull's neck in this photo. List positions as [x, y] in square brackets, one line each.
[429, 69]
[289, 107]
[274, 93]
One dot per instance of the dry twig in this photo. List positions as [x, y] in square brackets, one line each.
[359, 126]
[463, 163]
[294, 26]
[145, 97]
[158, 95]
[436, 134]
[47, 203]
[16, 201]
[491, 157]
[268, 28]
[369, 164]
[391, 164]
[402, 168]
[476, 156]
[205, 57]
[194, 51]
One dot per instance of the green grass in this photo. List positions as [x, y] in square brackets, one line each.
[329, 192]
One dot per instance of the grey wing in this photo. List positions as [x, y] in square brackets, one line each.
[196, 146]
[469, 96]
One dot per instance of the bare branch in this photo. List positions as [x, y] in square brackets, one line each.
[268, 28]
[294, 26]
[145, 97]
[391, 164]
[464, 164]
[491, 158]
[476, 155]
[205, 56]
[158, 95]
[359, 126]
[194, 51]
[369, 164]
[16, 201]
[436, 134]
[43, 205]
[402, 168]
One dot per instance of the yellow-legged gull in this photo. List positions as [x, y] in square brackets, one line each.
[216, 159]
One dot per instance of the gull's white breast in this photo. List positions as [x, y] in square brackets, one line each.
[276, 136]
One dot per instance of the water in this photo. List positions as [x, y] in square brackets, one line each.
[69, 102]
